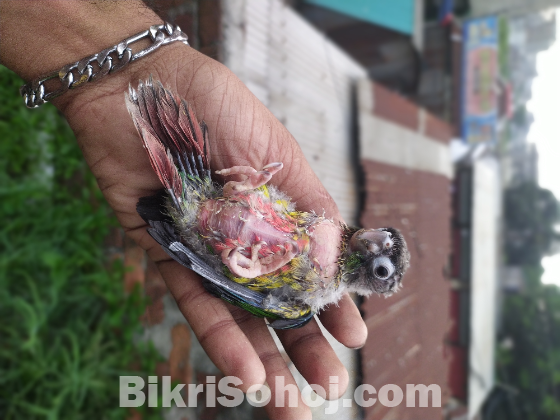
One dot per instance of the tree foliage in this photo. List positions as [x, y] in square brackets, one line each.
[531, 215]
[67, 329]
[530, 366]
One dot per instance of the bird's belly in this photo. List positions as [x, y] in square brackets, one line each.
[230, 224]
[220, 220]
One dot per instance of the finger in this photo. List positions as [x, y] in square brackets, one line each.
[211, 321]
[314, 358]
[277, 372]
[345, 323]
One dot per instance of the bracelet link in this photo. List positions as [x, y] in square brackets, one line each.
[123, 60]
[103, 68]
[77, 74]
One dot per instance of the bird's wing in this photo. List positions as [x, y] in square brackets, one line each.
[217, 283]
[176, 144]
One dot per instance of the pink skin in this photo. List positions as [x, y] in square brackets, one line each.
[325, 249]
[249, 227]
[237, 222]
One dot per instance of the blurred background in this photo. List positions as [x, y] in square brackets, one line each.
[438, 117]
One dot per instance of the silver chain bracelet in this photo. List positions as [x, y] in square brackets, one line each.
[97, 66]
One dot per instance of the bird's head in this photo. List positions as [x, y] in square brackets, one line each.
[376, 262]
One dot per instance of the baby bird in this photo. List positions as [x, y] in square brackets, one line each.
[246, 238]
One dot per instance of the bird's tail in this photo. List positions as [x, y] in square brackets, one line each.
[175, 141]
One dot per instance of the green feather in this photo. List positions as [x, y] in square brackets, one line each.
[354, 261]
[261, 313]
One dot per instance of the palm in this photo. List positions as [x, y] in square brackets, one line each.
[242, 132]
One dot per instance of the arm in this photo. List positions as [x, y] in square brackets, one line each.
[243, 131]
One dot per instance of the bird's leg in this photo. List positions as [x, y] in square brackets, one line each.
[242, 266]
[254, 179]
[255, 248]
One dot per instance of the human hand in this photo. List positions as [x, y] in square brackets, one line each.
[241, 132]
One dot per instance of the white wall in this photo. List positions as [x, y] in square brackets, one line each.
[484, 281]
[387, 142]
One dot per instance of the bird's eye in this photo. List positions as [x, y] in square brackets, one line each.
[381, 271]
[383, 268]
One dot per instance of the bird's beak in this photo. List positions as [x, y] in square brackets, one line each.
[370, 240]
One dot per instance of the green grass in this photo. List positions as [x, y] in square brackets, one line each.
[66, 327]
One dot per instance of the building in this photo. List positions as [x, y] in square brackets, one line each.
[518, 7]
[405, 46]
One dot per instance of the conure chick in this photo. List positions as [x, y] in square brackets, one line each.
[246, 238]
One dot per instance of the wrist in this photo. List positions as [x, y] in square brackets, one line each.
[64, 31]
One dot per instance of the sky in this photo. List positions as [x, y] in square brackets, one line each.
[545, 132]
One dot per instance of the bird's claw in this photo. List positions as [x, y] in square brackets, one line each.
[254, 179]
[242, 266]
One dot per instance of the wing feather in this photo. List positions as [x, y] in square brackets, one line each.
[220, 285]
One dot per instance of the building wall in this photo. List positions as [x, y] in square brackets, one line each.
[407, 170]
[485, 251]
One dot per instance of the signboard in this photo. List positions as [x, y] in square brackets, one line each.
[480, 74]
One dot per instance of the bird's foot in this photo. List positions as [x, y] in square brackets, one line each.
[254, 179]
[242, 266]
